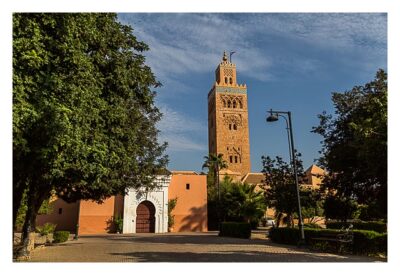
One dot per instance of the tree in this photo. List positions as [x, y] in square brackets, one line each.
[312, 204]
[340, 208]
[215, 163]
[83, 110]
[240, 201]
[280, 190]
[354, 146]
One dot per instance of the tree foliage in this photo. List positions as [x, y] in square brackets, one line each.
[171, 206]
[241, 201]
[340, 208]
[83, 109]
[280, 190]
[354, 151]
[214, 163]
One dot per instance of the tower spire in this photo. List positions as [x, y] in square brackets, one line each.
[225, 57]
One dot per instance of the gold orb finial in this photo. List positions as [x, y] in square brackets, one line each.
[225, 57]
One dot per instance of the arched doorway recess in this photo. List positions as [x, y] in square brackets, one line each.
[145, 219]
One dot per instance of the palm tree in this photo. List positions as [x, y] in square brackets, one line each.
[215, 162]
[245, 202]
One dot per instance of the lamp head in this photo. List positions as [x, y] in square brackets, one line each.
[272, 117]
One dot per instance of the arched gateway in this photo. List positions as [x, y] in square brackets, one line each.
[147, 211]
[145, 217]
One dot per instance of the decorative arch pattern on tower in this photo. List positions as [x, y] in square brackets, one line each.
[232, 101]
[232, 119]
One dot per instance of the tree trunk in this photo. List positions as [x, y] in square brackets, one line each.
[216, 173]
[18, 192]
[34, 201]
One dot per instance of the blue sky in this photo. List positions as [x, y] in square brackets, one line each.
[289, 61]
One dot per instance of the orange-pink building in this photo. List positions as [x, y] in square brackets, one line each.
[141, 211]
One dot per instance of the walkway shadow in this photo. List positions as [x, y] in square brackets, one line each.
[233, 256]
[199, 238]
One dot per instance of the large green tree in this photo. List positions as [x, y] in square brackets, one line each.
[83, 110]
[280, 190]
[354, 151]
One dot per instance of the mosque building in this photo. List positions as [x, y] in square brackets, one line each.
[147, 211]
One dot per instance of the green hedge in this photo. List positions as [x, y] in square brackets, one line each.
[364, 242]
[235, 229]
[369, 242]
[60, 236]
[285, 235]
[379, 227]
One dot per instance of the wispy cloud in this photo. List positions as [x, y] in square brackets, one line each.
[180, 131]
[188, 43]
[192, 43]
[329, 30]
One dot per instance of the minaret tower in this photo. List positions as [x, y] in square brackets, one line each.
[228, 127]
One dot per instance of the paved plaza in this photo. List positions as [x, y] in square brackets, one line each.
[181, 247]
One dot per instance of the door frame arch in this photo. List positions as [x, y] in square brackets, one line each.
[152, 219]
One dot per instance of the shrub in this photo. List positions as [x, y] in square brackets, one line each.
[312, 225]
[46, 229]
[285, 235]
[171, 218]
[235, 229]
[119, 223]
[369, 242]
[376, 226]
[60, 236]
[364, 242]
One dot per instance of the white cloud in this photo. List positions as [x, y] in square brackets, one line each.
[180, 131]
[191, 43]
[330, 30]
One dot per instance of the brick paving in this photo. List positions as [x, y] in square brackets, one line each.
[181, 247]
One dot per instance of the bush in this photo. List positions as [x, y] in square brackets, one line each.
[312, 225]
[285, 235]
[60, 236]
[254, 223]
[46, 229]
[379, 227]
[369, 242]
[119, 223]
[171, 218]
[235, 229]
[364, 242]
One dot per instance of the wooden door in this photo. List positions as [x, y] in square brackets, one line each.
[145, 219]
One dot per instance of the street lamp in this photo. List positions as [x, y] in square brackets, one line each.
[272, 118]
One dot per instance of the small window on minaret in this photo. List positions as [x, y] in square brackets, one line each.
[230, 80]
[230, 126]
[234, 127]
[227, 148]
[229, 103]
[226, 80]
[235, 159]
[234, 104]
[230, 159]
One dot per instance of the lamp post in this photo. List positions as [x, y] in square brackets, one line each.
[272, 118]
